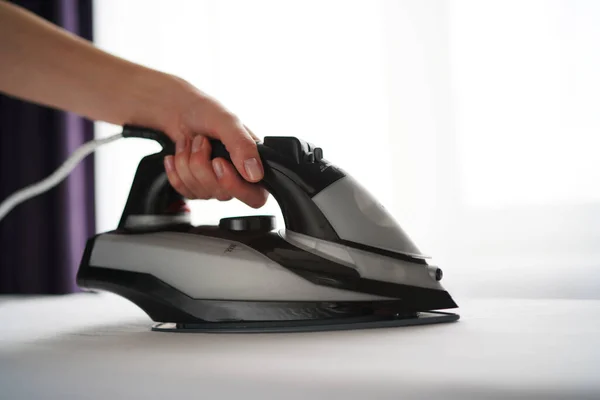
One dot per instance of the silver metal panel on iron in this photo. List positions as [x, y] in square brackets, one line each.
[369, 265]
[358, 217]
[197, 266]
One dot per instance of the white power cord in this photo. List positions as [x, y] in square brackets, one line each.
[57, 176]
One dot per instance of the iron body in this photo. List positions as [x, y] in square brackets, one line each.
[341, 262]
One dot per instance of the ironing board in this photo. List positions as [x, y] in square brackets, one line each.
[99, 346]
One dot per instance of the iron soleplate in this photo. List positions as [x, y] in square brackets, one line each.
[371, 322]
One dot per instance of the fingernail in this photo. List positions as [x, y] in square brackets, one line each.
[169, 163]
[180, 145]
[218, 168]
[197, 143]
[253, 169]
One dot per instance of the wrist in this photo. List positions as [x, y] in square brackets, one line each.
[157, 100]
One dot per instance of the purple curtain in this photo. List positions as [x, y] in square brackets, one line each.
[42, 240]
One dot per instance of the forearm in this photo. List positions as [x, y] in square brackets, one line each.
[44, 64]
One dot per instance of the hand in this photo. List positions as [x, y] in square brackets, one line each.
[191, 171]
[68, 73]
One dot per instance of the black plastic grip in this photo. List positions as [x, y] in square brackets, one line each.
[147, 133]
[168, 147]
[294, 173]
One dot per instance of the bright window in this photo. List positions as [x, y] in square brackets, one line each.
[475, 122]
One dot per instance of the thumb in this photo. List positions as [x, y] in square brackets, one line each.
[241, 145]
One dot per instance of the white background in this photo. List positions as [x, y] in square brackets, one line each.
[474, 122]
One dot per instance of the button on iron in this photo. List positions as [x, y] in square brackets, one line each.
[251, 223]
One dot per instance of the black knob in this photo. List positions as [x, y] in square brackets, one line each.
[318, 152]
[251, 223]
[436, 273]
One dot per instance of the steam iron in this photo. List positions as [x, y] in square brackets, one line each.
[340, 263]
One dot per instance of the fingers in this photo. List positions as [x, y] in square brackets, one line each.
[174, 179]
[241, 145]
[256, 139]
[196, 174]
[253, 195]
[202, 169]
[192, 173]
[182, 167]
